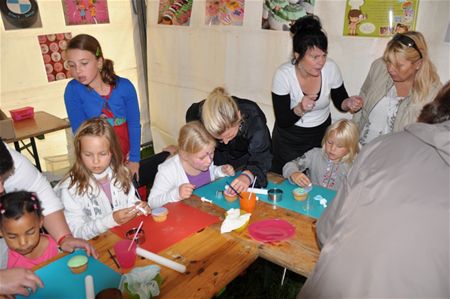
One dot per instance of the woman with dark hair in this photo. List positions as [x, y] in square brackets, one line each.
[439, 110]
[301, 92]
[97, 91]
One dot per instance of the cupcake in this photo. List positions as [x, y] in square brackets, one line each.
[78, 264]
[160, 214]
[228, 196]
[300, 193]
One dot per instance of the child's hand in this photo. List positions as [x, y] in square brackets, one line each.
[134, 169]
[124, 215]
[300, 179]
[143, 208]
[186, 190]
[70, 243]
[241, 183]
[228, 169]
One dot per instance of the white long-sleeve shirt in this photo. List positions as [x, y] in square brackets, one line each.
[91, 214]
[26, 177]
[168, 179]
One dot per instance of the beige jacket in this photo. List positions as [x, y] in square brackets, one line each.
[377, 84]
[386, 234]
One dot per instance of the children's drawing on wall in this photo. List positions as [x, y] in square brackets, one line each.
[380, 17]
[20, 14]
[53, 52]
[280, 14]
[224, 12]
[79, 12]
[175, 12]
[355, 16]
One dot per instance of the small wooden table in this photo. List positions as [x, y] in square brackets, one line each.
[41, 124]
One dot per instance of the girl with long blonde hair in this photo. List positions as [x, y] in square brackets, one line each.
[97, 192]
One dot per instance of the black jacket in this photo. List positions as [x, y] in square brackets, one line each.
[251, 148]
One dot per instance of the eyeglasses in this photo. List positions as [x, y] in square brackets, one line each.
[407, 41]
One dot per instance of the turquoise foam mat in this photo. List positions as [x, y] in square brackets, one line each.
[288, 202]
[61, 283]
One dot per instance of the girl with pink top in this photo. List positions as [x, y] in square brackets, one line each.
[21, 220]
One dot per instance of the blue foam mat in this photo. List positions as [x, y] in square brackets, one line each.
[60, 282]
[288, 202]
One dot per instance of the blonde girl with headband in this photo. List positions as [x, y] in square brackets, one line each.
[96, 90]
[240, 128]
[191, 168]
[329, 165]
[397, 87]
[97, 192]
[21, 221]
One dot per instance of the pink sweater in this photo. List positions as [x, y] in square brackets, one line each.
[17, 260]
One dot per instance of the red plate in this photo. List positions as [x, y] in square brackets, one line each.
[271, 230]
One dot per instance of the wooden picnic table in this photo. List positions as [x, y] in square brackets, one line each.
[213, 259]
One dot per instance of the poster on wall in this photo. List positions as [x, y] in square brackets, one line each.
[175, 12]
[224, 12]
[379, 17]
[80, 12]
[20, 14]
[53, 52]
[281, 14]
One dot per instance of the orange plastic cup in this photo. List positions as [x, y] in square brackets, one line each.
[247, 203]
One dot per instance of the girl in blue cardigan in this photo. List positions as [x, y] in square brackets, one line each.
[97, 91]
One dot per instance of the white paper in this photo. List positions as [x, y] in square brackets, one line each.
[161, 260]
[234, 220]
[89, 285]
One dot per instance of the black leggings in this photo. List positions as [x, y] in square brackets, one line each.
[290, 143]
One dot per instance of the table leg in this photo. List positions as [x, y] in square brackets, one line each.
[35, 154]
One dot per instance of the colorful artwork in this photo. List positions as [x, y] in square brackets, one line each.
[281, 14]
[379, 17]
[79, 12]
[19, 14]
[175, 12]
[224, 12]
[53, 48]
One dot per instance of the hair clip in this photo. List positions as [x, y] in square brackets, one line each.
[97, 53]
[33, 196]
[35, 206]
[2, 211]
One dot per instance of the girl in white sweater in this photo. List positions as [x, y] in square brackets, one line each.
[191, 168]
[97, 192]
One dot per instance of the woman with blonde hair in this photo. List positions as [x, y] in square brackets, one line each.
[327, 166]
[97, 193]
[191, 168]
[397, 87]
[244, 139]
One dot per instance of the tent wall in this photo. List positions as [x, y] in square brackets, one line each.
[23, 77]
[186, 63]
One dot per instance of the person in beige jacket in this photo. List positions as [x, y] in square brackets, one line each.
[397, 86]
[386, 234]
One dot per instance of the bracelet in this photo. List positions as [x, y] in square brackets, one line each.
[62, 238]
[248, 177]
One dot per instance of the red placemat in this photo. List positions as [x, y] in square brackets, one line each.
[182, 221]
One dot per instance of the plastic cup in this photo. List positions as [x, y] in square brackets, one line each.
[125, 257]
[247, 203]
[140, 238]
